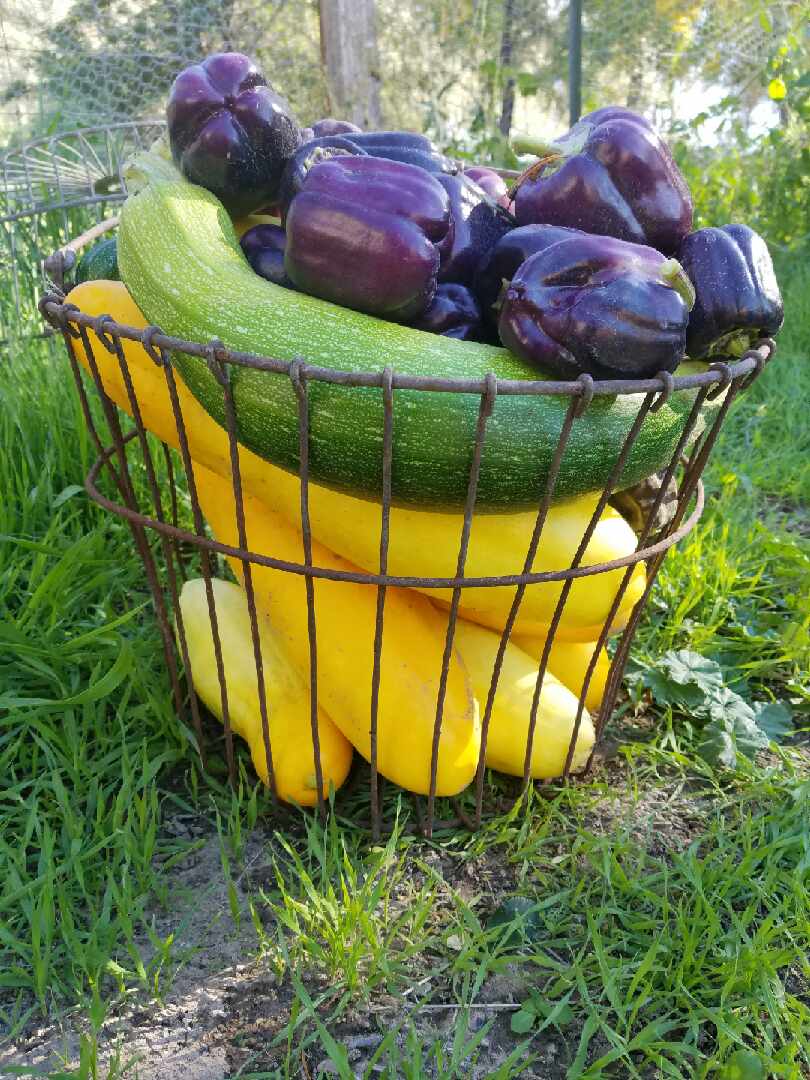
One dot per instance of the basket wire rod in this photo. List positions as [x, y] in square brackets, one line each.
[385, 520]
[205, 563]
[181, 630]
[298, 378]
[649, 404]
[361, 577]
[534, 542]
[622, 654]
[223, 376]
[616, 472]
[167, 457]
[484, 412]
[154, 487]
[139, 533]
[642, 539]
[88, 415]
[690, 482]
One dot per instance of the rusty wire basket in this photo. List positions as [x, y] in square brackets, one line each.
[164, 545]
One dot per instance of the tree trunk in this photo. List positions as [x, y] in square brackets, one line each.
[508, 94]
[351, 60]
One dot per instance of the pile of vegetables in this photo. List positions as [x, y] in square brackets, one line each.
[358, 250]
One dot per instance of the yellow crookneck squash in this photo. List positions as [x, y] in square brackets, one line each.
[345, 616]
[422, 543]
[286, 693]
[512, 705]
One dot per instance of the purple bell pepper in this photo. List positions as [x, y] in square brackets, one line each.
[301, 161]
[598, 305]
[611, 174]
[453, 312]
[264, 246]
[500, 264]
[330, 126]
[491, 182]
[407, 146]
[230, 132]
[477, 223]
[737, 295]
[364, 232]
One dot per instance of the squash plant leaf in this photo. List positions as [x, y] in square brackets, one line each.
[775, 719]
[732, 730]
[684, 678]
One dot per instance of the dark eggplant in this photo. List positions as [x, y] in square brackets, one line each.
[307, 155]
[329, 126]
[264, 246]
[477, 223]
[737, 295]
[492, 183]
[230, 132]
[599, 305]
[363, 232]
[611, 175]
[499, 265]
[453, 312]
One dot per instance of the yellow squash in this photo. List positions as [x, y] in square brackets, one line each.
[345, 613]
[511, 709]
[241, 225]
[422, 543]
[287, 693]
[568, 661]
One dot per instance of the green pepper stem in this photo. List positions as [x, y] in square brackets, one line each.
[674, 274]
[529, 144]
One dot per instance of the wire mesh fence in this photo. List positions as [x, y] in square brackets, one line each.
[460, 70]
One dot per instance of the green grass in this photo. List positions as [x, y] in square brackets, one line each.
[670, 927]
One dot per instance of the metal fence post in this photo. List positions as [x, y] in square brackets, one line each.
[574, 60]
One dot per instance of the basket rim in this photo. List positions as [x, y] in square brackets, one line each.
[718, 375]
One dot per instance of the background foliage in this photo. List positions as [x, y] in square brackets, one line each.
[730, 81]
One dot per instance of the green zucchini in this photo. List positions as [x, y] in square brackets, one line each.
[99, 263]
[181, 260]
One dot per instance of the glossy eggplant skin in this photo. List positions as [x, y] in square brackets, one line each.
[500, 264]
[230, 132]
[611, 175]
[477, 224]
[264, 246]
[330, 126]
[363, 232]
[737, 295]
[302, 160]
[454, 312]
[598, 305]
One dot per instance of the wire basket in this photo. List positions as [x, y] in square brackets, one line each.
[127, 454]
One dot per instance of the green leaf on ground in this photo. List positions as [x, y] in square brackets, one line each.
[775, 719]
[732, 730]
